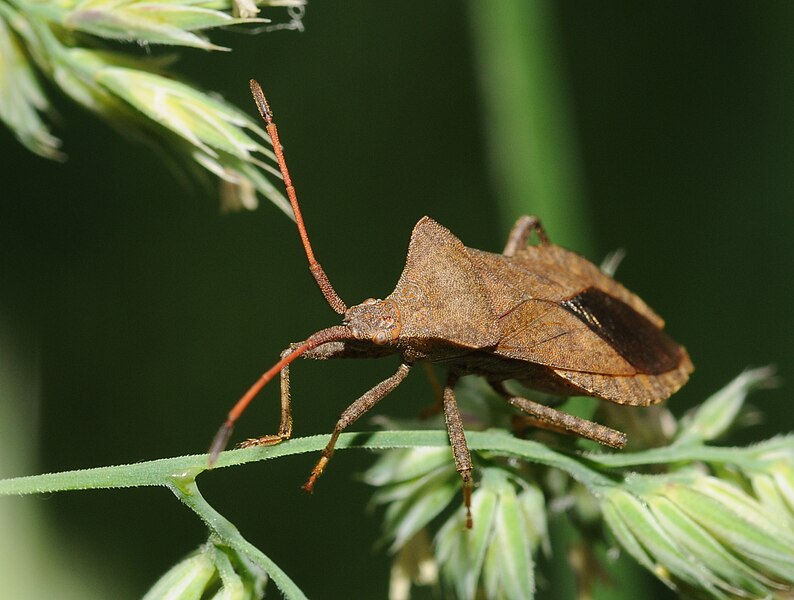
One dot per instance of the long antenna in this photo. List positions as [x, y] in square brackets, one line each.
[316, 269]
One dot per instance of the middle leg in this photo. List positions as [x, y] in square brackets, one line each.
[457, 439]
[352, 413]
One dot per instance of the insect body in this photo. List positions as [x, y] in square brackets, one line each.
[538, 314]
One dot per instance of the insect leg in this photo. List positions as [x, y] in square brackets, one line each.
[285, 425]
[352, 413]
[457, 439]
[555, 419]
[519, 234]
[331, 335]
[438, 393]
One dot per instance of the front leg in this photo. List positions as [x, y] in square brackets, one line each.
[285, 424]
[326, 351]
[285, 427]
[320, 338]
[352, 413]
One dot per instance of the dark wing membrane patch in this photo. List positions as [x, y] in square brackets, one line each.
[646, 347]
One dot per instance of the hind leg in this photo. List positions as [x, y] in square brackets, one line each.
[551, 418]
[519, 234]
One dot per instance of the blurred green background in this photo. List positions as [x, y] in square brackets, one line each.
[133, 314]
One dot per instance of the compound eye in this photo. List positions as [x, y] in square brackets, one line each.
[381, 337]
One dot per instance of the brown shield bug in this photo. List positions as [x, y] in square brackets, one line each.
[539, 314]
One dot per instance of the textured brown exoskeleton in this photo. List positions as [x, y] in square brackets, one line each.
[538, 314]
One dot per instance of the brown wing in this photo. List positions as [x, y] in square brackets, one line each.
[440, 293]
[636, 390]
[543, 332]
[558, 310]
[550, 273]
